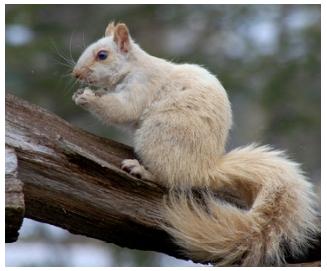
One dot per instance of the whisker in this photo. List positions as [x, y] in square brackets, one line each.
[70, 49]
[66, 59]
[68, 74]
[84, 45]
[70, 86]
[63, 64]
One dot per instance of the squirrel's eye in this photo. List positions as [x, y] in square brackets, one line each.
[102, 55]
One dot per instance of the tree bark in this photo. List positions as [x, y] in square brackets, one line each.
[72, 179]
[15, 206]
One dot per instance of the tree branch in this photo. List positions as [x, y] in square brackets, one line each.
[72, 179]
[15, 206]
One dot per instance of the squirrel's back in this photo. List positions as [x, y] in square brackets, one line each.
[188, 124]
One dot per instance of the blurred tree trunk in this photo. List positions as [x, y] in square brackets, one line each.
[72, 179]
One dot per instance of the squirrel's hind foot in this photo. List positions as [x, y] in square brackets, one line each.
[133, 167]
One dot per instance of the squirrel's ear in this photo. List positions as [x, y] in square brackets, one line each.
[110, 29]
[121, 37]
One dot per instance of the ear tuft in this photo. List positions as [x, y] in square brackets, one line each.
[110, 29]
[121, 37]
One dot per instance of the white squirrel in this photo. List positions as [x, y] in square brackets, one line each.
[181, 118]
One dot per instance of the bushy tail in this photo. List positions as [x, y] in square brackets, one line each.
[282, 212]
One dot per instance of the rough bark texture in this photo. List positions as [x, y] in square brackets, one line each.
[72, 179]
[14, 197]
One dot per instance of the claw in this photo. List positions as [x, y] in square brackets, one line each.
[133, 167]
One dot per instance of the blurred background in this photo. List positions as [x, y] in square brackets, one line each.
[266, 56]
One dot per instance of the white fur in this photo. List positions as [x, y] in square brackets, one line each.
[181, 115]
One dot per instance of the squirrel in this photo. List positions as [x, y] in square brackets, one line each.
[181, 116]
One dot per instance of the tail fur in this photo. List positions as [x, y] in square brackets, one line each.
[282, 211]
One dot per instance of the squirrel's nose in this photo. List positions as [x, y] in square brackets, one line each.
[81, 73]
[77, 73]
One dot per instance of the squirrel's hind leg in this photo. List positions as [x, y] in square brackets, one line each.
[133, 167]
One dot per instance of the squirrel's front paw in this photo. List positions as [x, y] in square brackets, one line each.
[83, 97]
